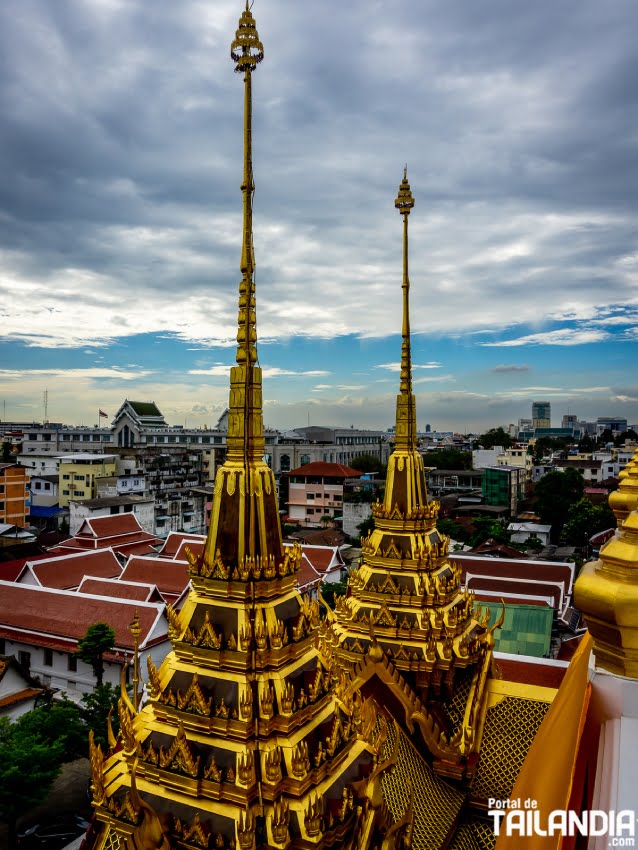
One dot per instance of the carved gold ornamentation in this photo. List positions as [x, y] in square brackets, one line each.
[272, 765]
[154, 685]
[300, 760]
[179, 757]
[174, 624]
[97, 768]
[280, 819]
[194, 700]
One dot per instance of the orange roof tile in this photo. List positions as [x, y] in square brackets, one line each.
[176, 540]
[50, 614]
[169, 576]
[326, 470]
[120, 589]
[67, 571]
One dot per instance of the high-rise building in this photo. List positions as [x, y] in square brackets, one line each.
[541, 414]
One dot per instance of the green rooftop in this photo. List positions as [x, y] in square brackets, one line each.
[145, 408]
[527, 629]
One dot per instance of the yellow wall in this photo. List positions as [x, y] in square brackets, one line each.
[80, 484]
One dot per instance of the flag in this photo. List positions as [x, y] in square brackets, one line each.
[102, 413]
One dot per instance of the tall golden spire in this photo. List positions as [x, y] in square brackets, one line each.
[406, 408]
[244, 520]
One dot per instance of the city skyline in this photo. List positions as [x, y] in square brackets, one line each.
[121, 208]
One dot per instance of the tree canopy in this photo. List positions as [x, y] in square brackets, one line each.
[29, 762]
[367, 462]
[554, 494]
[448, 459]
[99, 638]
[584, 520]
[495, 437]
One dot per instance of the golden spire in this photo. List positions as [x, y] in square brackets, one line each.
[244, 522]
[406, 408]
[245, 429]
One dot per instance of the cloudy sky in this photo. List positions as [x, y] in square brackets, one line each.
[120, 208]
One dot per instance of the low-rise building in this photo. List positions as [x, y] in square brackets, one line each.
[142, 508]
[14, 495]
[19, 692]
[522, 532]
[504, 485]
[79, 473]
[315, 490]
[42, 627]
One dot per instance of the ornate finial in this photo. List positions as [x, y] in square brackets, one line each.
[136, 630]
[246, 51]
[404, 201]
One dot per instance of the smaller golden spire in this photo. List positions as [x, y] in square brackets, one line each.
[406, 412]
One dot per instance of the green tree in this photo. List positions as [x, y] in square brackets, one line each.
[99, 638]
[486, 528]
[367, 462]
[333, 588]
[28, 765]
[61, 724]
[448, 459]
[453, 529]
[554, 494]
[495, 437]
[584, 520]
[364, 528]
[95, 711]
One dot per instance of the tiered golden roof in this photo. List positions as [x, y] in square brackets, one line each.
[405, 596]
[606, 590]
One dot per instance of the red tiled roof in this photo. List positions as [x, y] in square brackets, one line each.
[529, 673]
[175, 541]
[43, 614]
[169, 576]
[120, 589]
[499, 585]
[10, 570]
[538, 571]
[196, 547]
[326, 470]
[20, 696]
[66, 572]
[307, 576]
[109, 526]
[321, 557]
[138, 542]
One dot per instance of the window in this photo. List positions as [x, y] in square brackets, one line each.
[37, 485]
[46, 438]
[86, 438]
[66, 477]
[310, 496]
[48, 658]
[304, 460]
[65, 493]
[66, 438]
[78, 477]
[72, 664]
[25, 659]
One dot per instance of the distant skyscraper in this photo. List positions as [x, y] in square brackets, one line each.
[541, 414]
[570, 420]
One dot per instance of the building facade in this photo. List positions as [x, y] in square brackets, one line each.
[14, 495]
